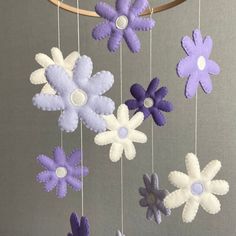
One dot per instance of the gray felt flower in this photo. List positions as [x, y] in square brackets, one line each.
[153, 198]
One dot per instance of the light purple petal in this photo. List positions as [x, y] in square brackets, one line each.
[143, 24]
[149, 213]
[132, 104]
[48, 102]
[61, 188]
[186, 66]
[197, 38]
[143, 202]
[154, 181]
[138, 91]
[101, 31]
[46, 162]
[59, 155]
[162, 194]
[142, 191]
[157, 216]
[101, 105]
[192, 85]
[165, 106]
[147, 182]
[115, 40]
[132, 40]
[51, 184]
[152, 86]
[105, 10]
[122, 6]
[43, 176]
[139, 6]
[163, 209]
[188, 45]
[77, 171]
[207, 46]
[206, 83]
[74, 158]
[74, 183]
[213, 68]
[68, 120]
[158, 117]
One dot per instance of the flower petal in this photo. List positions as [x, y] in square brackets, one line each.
[178, 179]
[192, 85]
[122, 6]
[138, 92]
[186, 67]
[61, 189]
[74, 183]
[147, 182]
[132, 104]
[139, 6]
[75, 157]
[206, 83]
[145, 111]
[142, 191]
[192, 165]
[101, 105]
[165, 106]
[210, 203]
[59, 155]
[46, 162]
[48, 102]
[136, 120]
[190, 210]
[158, 117]
[57, 56]
[105, 11]
[132, 40]
[219, 187]
[143, 24]
[197, 37]
[155, 181]
[111, 122]
[211, 169]
[129, 148]
[114, 40]
[163, 209]
[188, 45]
[68, 120]
[116, 151]
[162, 194]
[75, 224]
[152, 87]
[207, 46]
[70, 60]
[38, 77]
[101, 31]
[149, 213]
[123, 114]
[44, 60]
[143, 202]
[105, 138]
[137, 136]
[51, 184]
[161, 93]
[47, 89]
[213, 68]
[176, 199]
[43, 176]
[157, 215]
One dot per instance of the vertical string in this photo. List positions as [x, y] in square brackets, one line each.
[81, 125]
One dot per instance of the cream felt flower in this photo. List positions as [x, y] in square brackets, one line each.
[38, 76]
[196, 188]
[122, 133]
[118, 233]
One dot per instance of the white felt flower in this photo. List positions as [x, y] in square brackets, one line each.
[196, 188]
[38, 76]
[118, 233]
[122, 133]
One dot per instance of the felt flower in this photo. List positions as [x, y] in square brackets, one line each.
[38, 76]
[60, 171]
[196, 188]
[153, 198]
[150, 102]
[122, 133]
[118, 233]
[78, 98]
[197, 66]
[79, 227]
[122, 22]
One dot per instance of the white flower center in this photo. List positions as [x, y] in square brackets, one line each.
[61, 172]
[122, 22]
[151, 199]
[197, 188]
[123, 132]
[78, 97]
[201, 63]
[148, 102]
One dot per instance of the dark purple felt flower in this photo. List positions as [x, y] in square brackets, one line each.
[197, 66]
[121, 22]
[61, 170]
[79, 227]
[150, 101]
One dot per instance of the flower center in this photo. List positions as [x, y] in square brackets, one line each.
[201, 63]
[151, 199]
[148, 102]
[78, 97]
[61, 172]
[123, 132]
[122, 22]
[197, 188]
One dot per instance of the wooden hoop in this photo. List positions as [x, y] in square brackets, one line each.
[84, 12]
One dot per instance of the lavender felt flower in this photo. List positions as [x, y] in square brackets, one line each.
[60, 171]
[79, 227]
[78, 98]
[121, 22]
[150, 102]
[153, 198]
[197, 66]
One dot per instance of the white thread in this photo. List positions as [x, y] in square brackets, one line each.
[78, 25]
[121, 74]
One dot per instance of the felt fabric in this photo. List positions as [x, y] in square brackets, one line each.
[79, 227]
[118, 233]
[150, 101]
[122, 133]
[38, 76]
[122, 22]
[78, 98]
[152, 198]
[197, 66]
[196, 188]
[61, 170]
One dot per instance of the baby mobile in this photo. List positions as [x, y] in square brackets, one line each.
[70, 87]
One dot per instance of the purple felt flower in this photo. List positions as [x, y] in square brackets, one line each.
[153, 198]
[121, 22]
[61, 170]
[79, 227]
[78, 98]
[150, 101]
[197, 66]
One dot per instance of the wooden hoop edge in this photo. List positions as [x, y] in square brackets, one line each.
[84, 12]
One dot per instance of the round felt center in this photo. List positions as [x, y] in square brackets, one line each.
[148, 102]
[201, 63]
[61, 172]
[197, 188]
[122, 22]
[151, 199]
[123, 132]
[78, 97]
